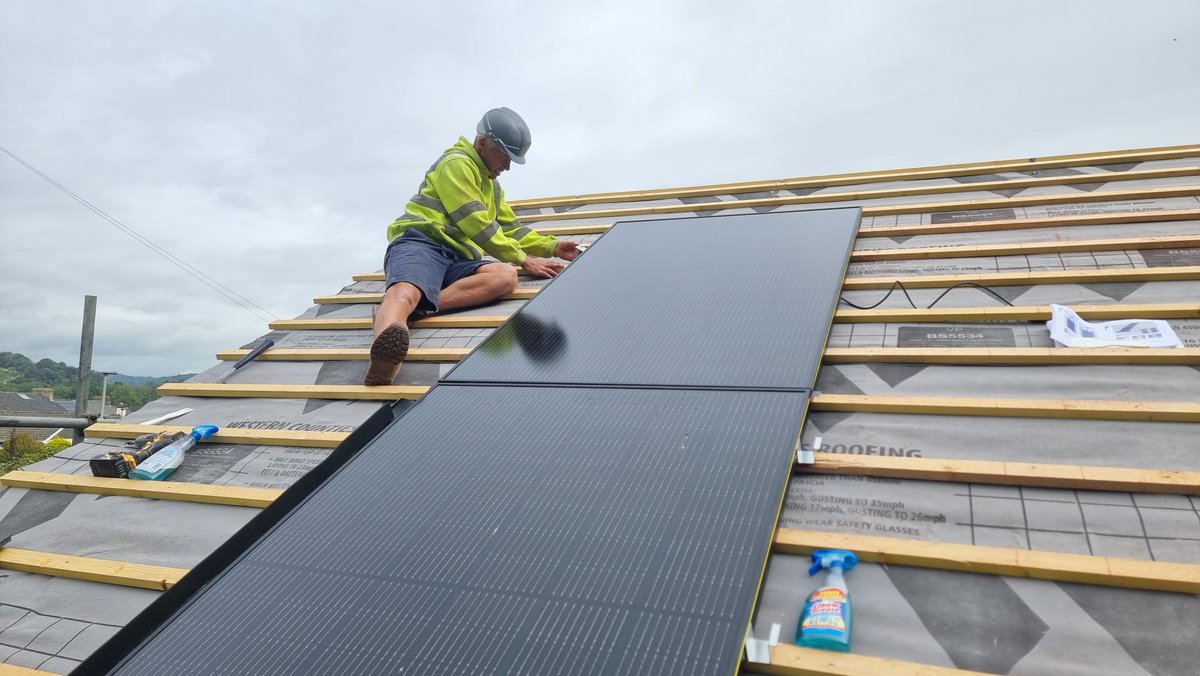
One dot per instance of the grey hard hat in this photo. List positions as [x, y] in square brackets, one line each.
[506, 129]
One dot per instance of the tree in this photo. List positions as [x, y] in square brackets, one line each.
[20, 374]
[122, 394]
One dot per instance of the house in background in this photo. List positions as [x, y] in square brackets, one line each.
[40, 402]
[32, 404]
[110, 411]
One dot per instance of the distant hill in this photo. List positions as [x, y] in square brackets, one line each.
[19, 373]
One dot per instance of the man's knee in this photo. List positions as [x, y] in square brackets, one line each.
[503, 275]
[404, 292]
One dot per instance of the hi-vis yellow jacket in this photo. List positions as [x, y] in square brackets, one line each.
[460, 206]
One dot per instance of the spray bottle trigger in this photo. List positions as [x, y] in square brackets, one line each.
[830, 558]
[204, 431]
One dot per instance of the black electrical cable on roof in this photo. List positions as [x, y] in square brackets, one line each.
[246, 304]
[902, 288]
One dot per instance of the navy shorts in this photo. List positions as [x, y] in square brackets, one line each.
[427, 265]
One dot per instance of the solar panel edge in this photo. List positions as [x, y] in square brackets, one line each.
[766, 560]
[836, 301]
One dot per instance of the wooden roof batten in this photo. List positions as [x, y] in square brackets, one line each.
[853, 178]
[886, 209]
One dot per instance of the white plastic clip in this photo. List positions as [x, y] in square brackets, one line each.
[776, 628]
[757, 650]
[808, 457]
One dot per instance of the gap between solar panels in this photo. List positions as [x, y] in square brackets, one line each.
[677, 454]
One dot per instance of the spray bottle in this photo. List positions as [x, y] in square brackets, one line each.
[160, 465]
[825, 622]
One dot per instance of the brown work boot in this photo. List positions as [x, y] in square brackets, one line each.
[387, 353]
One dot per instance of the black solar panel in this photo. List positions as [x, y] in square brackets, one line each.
[730, 301]
[512, 530]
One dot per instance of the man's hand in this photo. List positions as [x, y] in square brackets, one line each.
[540, 267]
[567, 250]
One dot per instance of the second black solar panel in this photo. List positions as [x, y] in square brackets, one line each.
[729, 301]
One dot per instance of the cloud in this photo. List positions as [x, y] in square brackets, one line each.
[269, 144]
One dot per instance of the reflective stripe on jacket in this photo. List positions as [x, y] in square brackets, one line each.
[460, 206]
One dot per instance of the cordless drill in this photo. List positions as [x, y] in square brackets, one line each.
[117, 464]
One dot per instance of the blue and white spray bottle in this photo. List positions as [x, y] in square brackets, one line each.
[825, 622]
[160, 465]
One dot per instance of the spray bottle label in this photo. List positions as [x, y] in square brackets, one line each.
[157, 461]
[825, 612]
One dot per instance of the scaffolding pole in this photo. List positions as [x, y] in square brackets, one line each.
[85, 363]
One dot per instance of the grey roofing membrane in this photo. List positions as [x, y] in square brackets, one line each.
[982, 622]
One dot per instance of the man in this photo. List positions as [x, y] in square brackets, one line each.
[434, 259]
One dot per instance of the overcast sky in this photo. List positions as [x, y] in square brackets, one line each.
[269, 144]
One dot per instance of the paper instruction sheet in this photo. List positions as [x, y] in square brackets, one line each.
[1068, 329]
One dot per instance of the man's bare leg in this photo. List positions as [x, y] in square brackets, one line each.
[487, 284]
[398, 303]
[388, 350]
[391, 333]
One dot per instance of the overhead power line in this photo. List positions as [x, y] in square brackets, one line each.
[245, 303]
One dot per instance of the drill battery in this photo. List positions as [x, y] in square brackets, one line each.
[118, 464]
